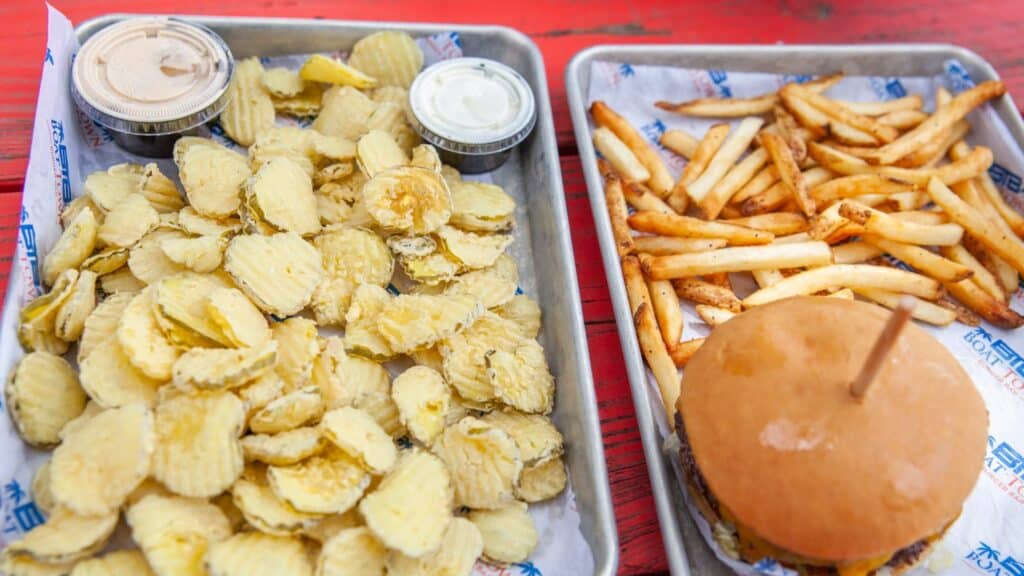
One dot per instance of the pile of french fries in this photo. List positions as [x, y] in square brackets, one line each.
[809, 195]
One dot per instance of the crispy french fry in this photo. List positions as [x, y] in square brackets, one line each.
[848, 276]
[812, 119]
[680, 142]
[765, 278]
[727, 155]
[620, 156]
[1007, 246]
[964, 315]
[713, 316]
[789, 172]
[675, 225]
[930, 155]
[703, 154]
[903, 119]
[834, 109]
[1008, 278]
[884, 225]
[664, 245]
[995, 311]
[778, 223]
[762, 181]
[855, 186]
[776, 196]
[843, 293]
[925, 261]
[925, 217]
[840, 162]
[855, 252]
[722, 107]
[903, 201]
[832, 227]
[739, 259]
[881, 108]
[941, 120]
[711, 206]
[682, 352]
[640, 197]
[862, 152]
[636, 286]
[666, 310]
[942, 97]
[658, 359]
[660, 181]
[791, 132]
[704, 292]
[617, 213]
[982, 277]
[730, 212]
[984, 182]
[719, 279]
[849, 135]
[923, 310]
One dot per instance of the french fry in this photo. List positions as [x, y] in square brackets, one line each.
[704, 292]
[942, 97]
[617, 213]
[844, 294]
[964, 315]
[663, 245]
[925, 261]
[991, 192]
[765, 278]
[965, 168]
[675, 225]
[680, 142]
[903, 119]
[682, 352]
[941, 120]
[862, 152]
[904, 201]
[886, 226]
[702, 155]
[636, 286]
[776, 196]
[1007, 246]
[812, 119]
[791, 132]
[722, 107]
[718, 279]
[666, 310]
[1008, 278]
[982, 277]
[925, 217]
[832, 227]
[849, 135]
[881, 108]
[713, 316]
[660, 181]
[739, 259]
[923, 310]
[835, 109]
[620, 156]
[929, 155]
[855, 252]
[995, 311]
[852, 276]
[640, 197]
[658, 359]
[762, 181]
[778, 223]
[711, 206]
[727, 155]
[789, 172]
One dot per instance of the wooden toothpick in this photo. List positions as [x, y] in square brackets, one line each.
[885, 342]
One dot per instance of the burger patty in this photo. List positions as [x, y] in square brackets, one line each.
[903, 557]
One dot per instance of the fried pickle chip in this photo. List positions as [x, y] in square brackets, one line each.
[108, 187]
[422, 398]
[256, 554]
[492, 286]
[147, 260]
[413, 321]
[162, 193]
[43, 395]
[109, 377]
[65, 537]
[350, 257]
[283, 193]
[237, 318]
[76, 308]
[37, 320]
[200, 254]
[264, 510]
[459, 549]
[250, 110]
[131, 562]
[328, 483]
[521, 379]
[408, 199]
[212, 177]
[392, 57]
[219, 368]
[534, 435]
[357, 434]
[484, 463]
[362, 335]
[76, 243]
[344, 113]
[288, 412]
[525, 312]
[129, 221]
[142, 340]
[284, 448]
[41, 492]
[195, 223]
[279, 273]
[184, 299]
[175, 533]
[282, 82]
[297, 347]
[508, 533]
[472, 250]
[377, 151]
[481, 207]
[352, 552]
[543, 480]
[106, 261]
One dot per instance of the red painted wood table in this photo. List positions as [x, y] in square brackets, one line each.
[560, 28]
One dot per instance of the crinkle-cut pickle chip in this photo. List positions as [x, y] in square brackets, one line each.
[357, 434]
[412, 506]
[212, 177]
[129, 221]
[265, 511]
[195, 223]
[393, 58]
[382, 409]
[24, 565]
[76, 243]
[413, 321]
[109, 377]
[282, 82]
[522, 379]
[183, 298]
[121, 562]
[284, 193]
[261, 391]
[361, 333]
[65, 537]
[237, 318]
[329, 526]
[250, 110]
[201, 254]
[460, 547]
[76, 206]
[466, 372]
[79, 305]
[297, 348]
[95, 468]
[344, 113]
[121, 281]
[142, 339]
[219, 368]
[492, 286]
[473, 250]
[108, 187]
[534, 435]
[101, 324]
[174, 532]
[289, 411]
[481, 207]
[37, 320]
[284, 142]
[329, 483]
[525, 312]
[284, 448]
[543, 480]
[377, 151]
[422, 399]
[484, 463]
[106, 261]
[408, 199]
[147, 260]
[42, 396]
[508, 533]
[278, 272]
[41, 489]
[352, 552]
[91, 409]
[198, 453]
[320, 68]
[161, 191]
[256, 554]
[350, 256]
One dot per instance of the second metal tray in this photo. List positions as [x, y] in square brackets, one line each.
[686, 550]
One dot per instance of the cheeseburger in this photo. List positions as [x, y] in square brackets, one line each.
[784, 462]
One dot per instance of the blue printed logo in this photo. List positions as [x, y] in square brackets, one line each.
[61, 170]
[1000, 359]
[796, 79]
[27, 236]
[719, 79]
[770, 567]
[1004, 177]
[988, 560]
[887, 88]
[20, 514]
[48, 59]
[1004, 465]
[957, 76]
[653, 130]
[627, 70]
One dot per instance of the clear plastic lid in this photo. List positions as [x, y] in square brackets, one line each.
[472, 106]
[152, 75]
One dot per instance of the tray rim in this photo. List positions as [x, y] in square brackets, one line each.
[659, 467]
[606, 554]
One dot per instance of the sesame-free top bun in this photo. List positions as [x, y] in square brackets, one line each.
[796, 459]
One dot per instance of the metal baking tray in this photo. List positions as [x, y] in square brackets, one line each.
[686, 550]
[543, 247]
